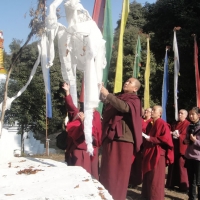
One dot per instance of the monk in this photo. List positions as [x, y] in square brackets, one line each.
[121, 137]
[146, 119]
[157, 152]
[76, 152]
[177, 173]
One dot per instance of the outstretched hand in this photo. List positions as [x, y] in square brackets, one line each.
[66, 88]
[104, 91]
[81, 116]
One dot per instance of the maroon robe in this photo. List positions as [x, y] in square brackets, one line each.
[177, 173]
[144, 124]
[156, 154]
[117, 154]
[136, 168]
[76, 153]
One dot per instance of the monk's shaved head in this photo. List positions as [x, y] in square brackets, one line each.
[159, 108]
[182, 115]
[156, 112]
[132, 85]
[137, 83]
[184, 111]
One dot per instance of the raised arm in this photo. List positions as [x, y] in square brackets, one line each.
[120, 105]
[72, 109]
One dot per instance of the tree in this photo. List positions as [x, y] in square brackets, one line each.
[37, 26]
[158, 20]
[134, 25]
[30, 108]
[161, 18]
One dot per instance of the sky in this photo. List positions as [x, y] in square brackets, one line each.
[14, 17]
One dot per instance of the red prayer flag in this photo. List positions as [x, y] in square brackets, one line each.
[196, 72]
[81, 99]
[98, 13]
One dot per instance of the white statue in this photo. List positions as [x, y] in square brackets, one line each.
[81, 46]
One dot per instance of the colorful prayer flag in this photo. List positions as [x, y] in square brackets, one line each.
[176, 73]
[108, 37]
[196, 72]
[46, 75]
[98, 13]
[48, 98]
[165, 88]
[81, 98]
[119, 66]
[136, 66]
[146, 77]
[2, 69]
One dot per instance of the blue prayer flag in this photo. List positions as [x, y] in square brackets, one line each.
[48, 98]
[165, 88]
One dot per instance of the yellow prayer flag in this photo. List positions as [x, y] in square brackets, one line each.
[146, 77]
[119, 66]
[2, 70]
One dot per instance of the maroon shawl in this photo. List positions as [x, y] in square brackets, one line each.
[160, 141]
[75, 132]
[144, 124]
[75, 127]
[96, 129]
[71, 108]
[112, 119]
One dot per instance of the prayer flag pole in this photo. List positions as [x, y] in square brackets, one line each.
[46, 75]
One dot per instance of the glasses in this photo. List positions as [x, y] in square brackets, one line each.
[147, 111]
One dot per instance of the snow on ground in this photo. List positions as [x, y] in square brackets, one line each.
[44, 179]
[28, 178]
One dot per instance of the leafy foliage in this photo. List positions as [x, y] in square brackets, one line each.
[30, 108]
[162, 17]
[158, 20]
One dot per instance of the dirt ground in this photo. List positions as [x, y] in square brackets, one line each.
[135, 194]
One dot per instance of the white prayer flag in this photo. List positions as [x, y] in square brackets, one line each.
[176, 73]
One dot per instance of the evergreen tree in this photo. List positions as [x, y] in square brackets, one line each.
[158, 20]
[161, 18]
[29, 109]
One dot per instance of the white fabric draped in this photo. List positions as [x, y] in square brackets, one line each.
[81, 46]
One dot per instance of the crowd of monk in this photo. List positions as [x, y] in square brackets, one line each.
[136, 147]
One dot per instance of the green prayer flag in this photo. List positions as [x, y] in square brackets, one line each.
[136, 66]
[108, 37]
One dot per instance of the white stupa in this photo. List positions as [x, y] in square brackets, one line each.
[2, 77]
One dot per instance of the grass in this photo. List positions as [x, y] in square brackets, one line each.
[57, 157]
